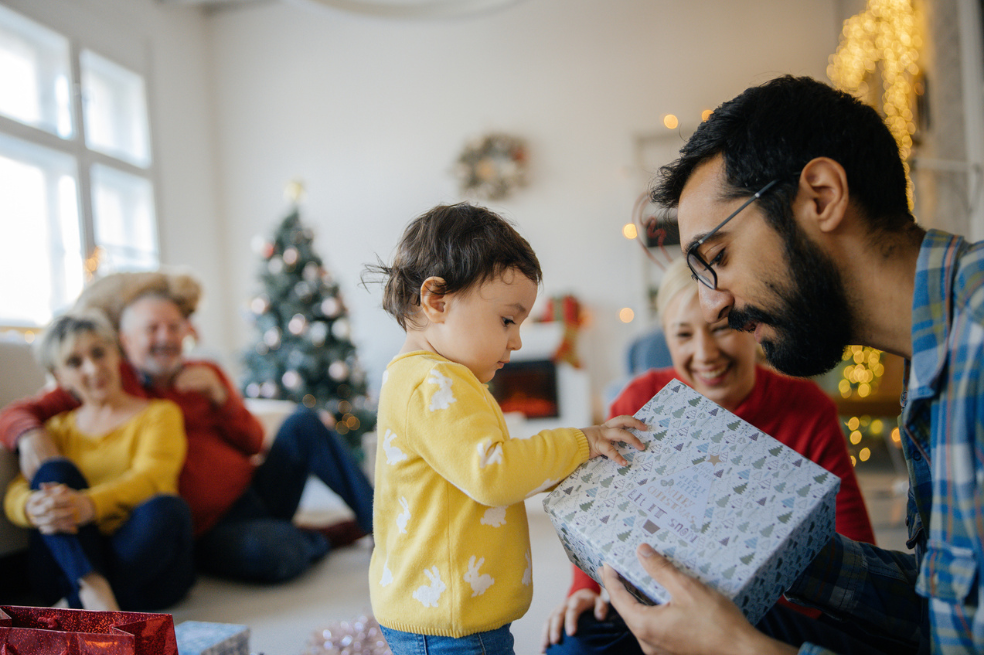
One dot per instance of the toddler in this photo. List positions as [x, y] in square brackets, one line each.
[451, 568]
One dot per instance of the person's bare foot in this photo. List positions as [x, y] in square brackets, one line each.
[96, 594]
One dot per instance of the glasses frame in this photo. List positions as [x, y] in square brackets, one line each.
[694, 259]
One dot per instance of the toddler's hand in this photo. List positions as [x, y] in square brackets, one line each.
[602, 438]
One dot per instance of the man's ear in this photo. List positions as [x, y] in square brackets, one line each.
[823, 197]
[433, 300]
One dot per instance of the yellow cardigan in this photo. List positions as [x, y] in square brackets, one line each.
[124, 467]
[452, 553]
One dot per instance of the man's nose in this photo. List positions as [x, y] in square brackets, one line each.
[714, 303]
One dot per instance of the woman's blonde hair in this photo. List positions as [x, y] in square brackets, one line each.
[62, 332]
[677, 279]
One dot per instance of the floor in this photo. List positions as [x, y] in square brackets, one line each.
[284, 619]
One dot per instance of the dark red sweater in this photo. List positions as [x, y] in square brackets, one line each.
[221, 440]
[793, 411]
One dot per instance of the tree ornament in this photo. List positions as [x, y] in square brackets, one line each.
[311, 272]
[259, 305]
[318, 332]
[340, 328]
[338, 371]
[272, 338]
[297, 324]
[330, 307]
[291, 380]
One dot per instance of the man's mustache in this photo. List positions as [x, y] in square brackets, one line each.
[165, 350]
[744, 320]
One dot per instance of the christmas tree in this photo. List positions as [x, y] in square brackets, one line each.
[303, 351]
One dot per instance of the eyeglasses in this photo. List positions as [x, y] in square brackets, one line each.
[702, 271]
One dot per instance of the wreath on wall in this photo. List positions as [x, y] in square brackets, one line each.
[492, 166]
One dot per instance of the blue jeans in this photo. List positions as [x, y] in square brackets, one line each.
[148, 561]
[493, 642]
[612, 637]
[256, 539]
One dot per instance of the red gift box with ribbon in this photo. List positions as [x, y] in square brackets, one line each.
[46, 630]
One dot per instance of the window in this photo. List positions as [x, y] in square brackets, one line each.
[76, 190]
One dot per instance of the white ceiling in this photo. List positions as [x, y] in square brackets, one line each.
[384, 8]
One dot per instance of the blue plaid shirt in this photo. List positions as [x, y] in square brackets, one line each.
[943, 427]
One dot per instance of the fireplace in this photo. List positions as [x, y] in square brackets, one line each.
[527, 387]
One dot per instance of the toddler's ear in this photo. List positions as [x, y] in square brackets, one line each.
[433, 299]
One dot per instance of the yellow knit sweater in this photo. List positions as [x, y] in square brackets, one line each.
[124, 467]
[452, 553]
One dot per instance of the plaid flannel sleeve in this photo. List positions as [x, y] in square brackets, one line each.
[863, 584]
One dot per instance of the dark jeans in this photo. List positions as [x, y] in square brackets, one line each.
[612, 637]
[148, 561]
[256, 540]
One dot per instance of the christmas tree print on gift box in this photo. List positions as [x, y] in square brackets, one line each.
[721, 499]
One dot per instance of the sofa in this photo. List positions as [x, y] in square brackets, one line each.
[21, 377]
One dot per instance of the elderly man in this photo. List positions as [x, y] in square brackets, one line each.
[793, 216]
[242, 512]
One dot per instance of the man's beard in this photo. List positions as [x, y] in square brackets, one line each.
[813, 319]
[162, 361]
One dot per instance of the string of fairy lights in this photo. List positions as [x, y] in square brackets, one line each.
[879, 44]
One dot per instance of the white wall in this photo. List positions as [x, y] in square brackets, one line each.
[371, 113]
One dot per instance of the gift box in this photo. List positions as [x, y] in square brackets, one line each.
[48, 630]
[201, 638]
[721, 499]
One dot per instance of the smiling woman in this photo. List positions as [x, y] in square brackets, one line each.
[108, 530]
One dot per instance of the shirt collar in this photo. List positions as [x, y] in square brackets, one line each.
[931, 311]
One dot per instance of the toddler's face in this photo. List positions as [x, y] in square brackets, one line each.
[481, 328]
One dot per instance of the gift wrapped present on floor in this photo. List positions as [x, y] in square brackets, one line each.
[49, 630]
[203, 638]
[722, 500]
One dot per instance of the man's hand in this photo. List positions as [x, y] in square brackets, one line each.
[567, 613]
[57, 508]
[698, 620]
[602, 438]
[201, 379]
[34, 448]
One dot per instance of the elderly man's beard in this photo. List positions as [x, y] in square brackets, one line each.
[812, 321]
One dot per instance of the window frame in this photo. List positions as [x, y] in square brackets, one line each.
[119, 39]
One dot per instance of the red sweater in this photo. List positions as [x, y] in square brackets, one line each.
[221, 440]
[793, 411]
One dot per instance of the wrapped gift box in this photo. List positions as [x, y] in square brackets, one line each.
[201, 638]
[721, 499]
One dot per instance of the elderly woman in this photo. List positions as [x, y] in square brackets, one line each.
[721, 364]
[109, 531]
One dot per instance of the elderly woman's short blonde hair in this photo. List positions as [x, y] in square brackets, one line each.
[677, 279]
[61, 333]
